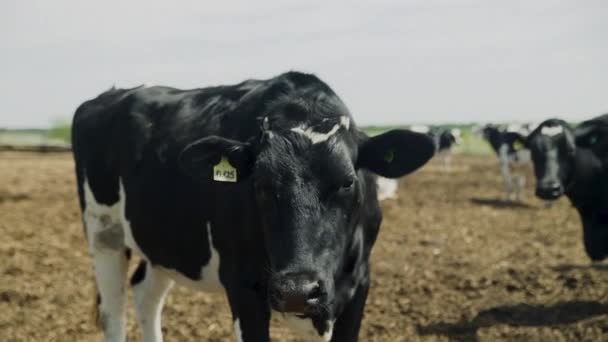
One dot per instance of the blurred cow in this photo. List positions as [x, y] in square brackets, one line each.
[444, 138]
[508, 143]
[572, 162]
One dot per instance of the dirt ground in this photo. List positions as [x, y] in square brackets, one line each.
[453, 262]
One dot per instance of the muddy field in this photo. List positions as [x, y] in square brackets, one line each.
[453, 262]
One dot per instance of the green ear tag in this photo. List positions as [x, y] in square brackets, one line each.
[517, 145]
[389, 156]
[224, 172]
[592, 139]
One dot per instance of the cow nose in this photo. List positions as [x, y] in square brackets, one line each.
[295, 292]
[549, 190]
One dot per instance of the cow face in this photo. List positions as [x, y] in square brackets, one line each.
[310, 184]
[552, 147]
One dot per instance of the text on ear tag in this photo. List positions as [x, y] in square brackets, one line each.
[224, 172]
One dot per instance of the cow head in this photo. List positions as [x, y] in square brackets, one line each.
[449, 138]
[312, 181]
[553, 150]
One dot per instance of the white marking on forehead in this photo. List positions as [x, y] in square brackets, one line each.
[551, 131]
[317, 137]
[420, 129]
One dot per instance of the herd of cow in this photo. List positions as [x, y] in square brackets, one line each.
[266, 190]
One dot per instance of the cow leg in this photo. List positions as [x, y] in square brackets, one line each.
[521, 185]
[348, 324]
[447, 161]
[150, 287]
[250, 314]
[505, 171]
[110, 263]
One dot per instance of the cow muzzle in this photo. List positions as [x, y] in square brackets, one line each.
[549, 190]
[298, 293]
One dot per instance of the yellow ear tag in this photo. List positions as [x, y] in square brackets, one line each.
[224, 172]
[517, 145]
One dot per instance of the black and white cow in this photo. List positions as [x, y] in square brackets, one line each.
[508, 144]
[444, 138]
[264, 190]
[561, 167]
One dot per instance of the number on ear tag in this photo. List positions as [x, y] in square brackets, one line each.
[224, 172]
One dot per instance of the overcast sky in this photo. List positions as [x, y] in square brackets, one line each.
[391, 61]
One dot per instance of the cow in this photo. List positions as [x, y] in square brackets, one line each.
[444, 138]
[563, 167]
[508, 143]
[264, 190]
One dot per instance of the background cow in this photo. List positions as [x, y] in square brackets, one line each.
[508, 144]
[265, 190]
[444, 138]
[562, 167]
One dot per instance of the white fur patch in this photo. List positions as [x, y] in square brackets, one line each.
[387, 188]
[551, 131]
[209, 276]
[128, 234]
[317, 137]
[420, 129]
[149, 296]
[514, 128]
[210, 273]
[237, 331]
[109, 262]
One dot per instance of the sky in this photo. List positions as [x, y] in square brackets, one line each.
[391, 61]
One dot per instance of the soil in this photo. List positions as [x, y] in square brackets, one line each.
[453, 262]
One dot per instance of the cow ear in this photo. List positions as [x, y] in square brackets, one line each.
[217, 158]
[395, 153]
[594, 138]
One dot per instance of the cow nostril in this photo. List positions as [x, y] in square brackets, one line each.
[315, 291]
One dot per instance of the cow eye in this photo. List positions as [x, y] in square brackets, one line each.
[347, 185]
